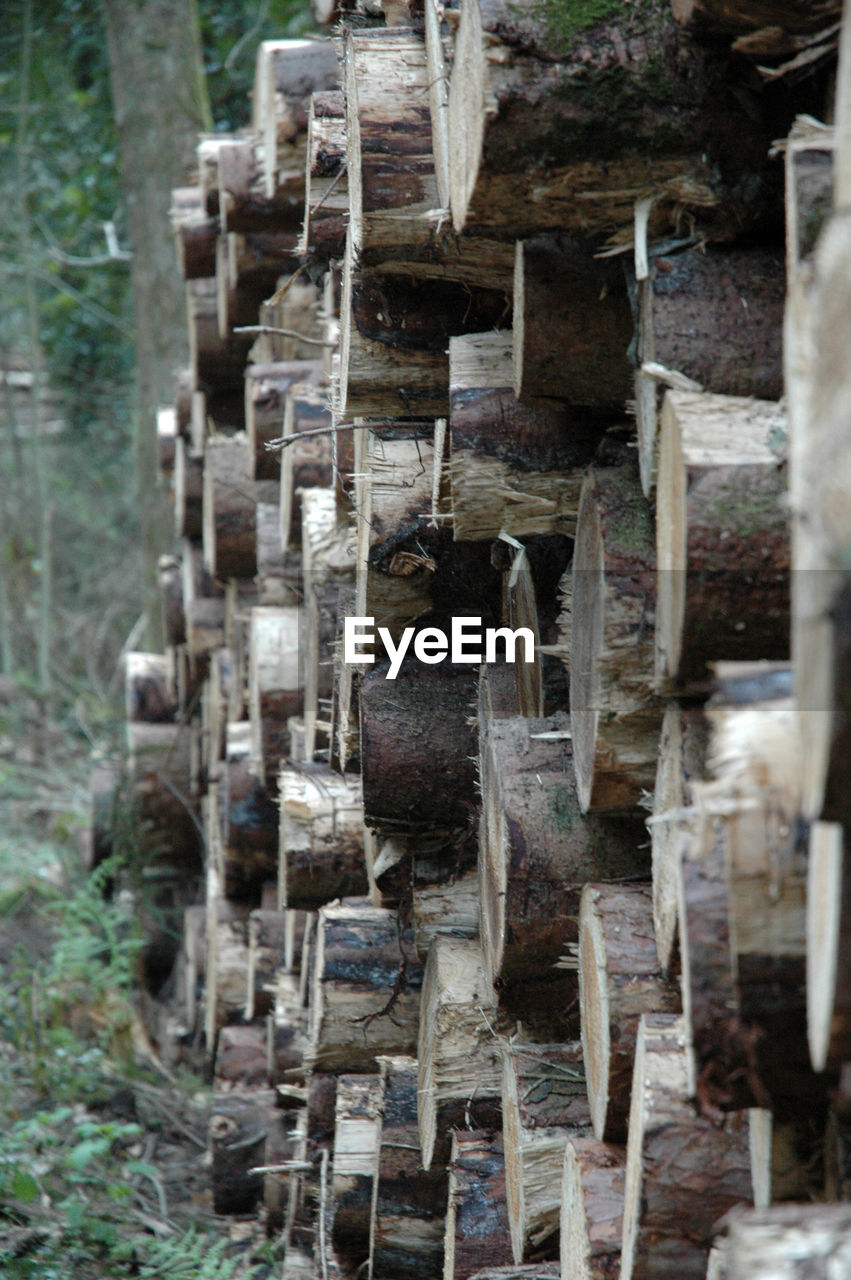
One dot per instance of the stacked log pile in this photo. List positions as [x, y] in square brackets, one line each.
[543, 941]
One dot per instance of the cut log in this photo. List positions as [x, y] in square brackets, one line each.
[722, 535]
[572, 324]
[266, 944]
[356, 1135]
[226, 959]
[366, 988]
[409, 1202]
[683, 1171]
[195, 233]
[266, 387]
[513, 467]
[291, 325]
[167, 434]
[544, 1103]
[506, 174]
[787, 1240]
[188, 492]
[695, 308]
[615, 713]
[418, 750]
[321, 836]
[592, 1210]
[326, 199]
[448, 907]
[240, 1058]
[737, 18]
[163, 789]
[477, 1228]
[287, 73]
[305, 463]
[170, 579]
[217, 364]
[238, 1126]
[146, 694]
[243, 204]
[809, 188]
[230, 507]
[249, 268]
[619, 980]
[683, 745]
[827, 946]
[275, 685]
[536, 851]
[459, 1065]
[279, 575]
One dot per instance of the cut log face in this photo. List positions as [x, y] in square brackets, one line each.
[683, 1171]
[722, 534]
[448, 907]
[275, 683]
[544, 1103]
[409, 1201]
[786, 1240]
[356, 1135]
[592, 1210]
[459, 1064]
[321, 836]
[326, 198]
[305, 463]
[619, 980]
[366, 988]
[615, 712]
[477, 1228]
[695, 309]
[572, 325]
[287, 73]
[230, 508]
[536, 850]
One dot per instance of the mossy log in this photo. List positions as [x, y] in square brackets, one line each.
[619, 979]
[615, 711]
[544, 1103]
[722, 535]
[537, 850]
[592, 1210]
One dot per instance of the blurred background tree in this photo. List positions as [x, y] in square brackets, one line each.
[100, 109]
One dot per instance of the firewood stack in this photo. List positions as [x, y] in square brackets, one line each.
[519, 359]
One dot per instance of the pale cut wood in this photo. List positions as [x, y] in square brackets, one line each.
[619, 980]
[409, 1200]
[356, 1134]
[809, 166]
[536, 850]
[366, 988]
[787, 1240]
[683, 744]
[321, 853]
[722, 534]
[683, 1171]
[451, 907]
[292, 325]
[458, 1056]
[827, 946]
[592, 1192]
[615, 711]
[544, 1103]
[477, 1228]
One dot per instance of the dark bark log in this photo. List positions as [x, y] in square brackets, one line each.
[230, 507]
[217, 364]
[536, 851]
[248, 819]
[239, 1123]
[477, 1231]
[188, 492]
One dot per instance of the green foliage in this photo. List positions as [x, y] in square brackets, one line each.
[565, 19]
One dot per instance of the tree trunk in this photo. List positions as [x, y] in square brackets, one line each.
[477, 1231]
[722, 535]
[619, 980]
[513, 466]
[615, 713]
[366, 988]
[592, 1210]
[459, 1066]
[356, 1137]
[692, 307]
[572, 324]
[321, 836]
[409, 1203]
[536, 851]
[683, 745]
[683, 1171]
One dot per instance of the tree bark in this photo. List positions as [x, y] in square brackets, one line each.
[544, 1103]
[321, 836]
[619, 980]
[592, 1210]
[477, 1230]
[536, 851]
[722, 535]
[459, 1066]
[615, 713]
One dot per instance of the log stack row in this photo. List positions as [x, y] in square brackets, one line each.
[523, 942]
